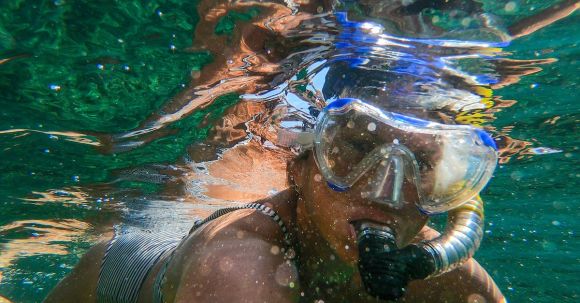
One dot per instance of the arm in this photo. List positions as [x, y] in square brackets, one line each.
[544, 18]
[80, 285]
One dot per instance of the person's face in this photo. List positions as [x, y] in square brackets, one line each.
[333, 214]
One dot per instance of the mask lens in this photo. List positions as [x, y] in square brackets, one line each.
[344, 149]
[447, 164]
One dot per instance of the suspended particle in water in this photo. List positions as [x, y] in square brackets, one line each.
[476, 298]
[100, 66]
[54, 87]
[549, 246]
[556, 223]
[76, 178]
[516, 175]
[533, 85]
[275, 250]
[372, 127]
[510, 6]
[226, 264]
[466, 22]
[317, 178]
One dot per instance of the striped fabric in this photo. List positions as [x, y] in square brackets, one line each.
[129, 258]
[127, 261]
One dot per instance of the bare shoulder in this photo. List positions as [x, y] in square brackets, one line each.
[236, 258]
[80, 284]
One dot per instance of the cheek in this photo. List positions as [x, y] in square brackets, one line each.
[329, 212]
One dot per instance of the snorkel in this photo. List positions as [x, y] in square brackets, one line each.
[386, 270]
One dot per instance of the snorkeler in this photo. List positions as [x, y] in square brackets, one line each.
[347, 230]
[351, 228]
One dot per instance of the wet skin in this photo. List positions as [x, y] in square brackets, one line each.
[239, 258]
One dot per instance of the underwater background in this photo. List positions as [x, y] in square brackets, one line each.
[71, 71]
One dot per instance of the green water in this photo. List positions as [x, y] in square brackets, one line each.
[104, 68]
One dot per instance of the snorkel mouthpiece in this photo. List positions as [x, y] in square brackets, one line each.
[384, 269]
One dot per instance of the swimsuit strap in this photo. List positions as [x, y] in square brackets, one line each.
[262, 208]
[289, 252]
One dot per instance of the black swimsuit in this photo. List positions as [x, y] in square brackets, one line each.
[130, 257]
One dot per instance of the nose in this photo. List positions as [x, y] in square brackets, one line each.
[386, 187]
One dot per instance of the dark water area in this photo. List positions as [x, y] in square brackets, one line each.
[133, 114]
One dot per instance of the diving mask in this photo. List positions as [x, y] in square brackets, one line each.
[445, 164]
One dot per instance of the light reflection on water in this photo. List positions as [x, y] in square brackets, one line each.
[286, 63]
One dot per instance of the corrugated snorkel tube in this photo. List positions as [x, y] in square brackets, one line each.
[461, 238]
